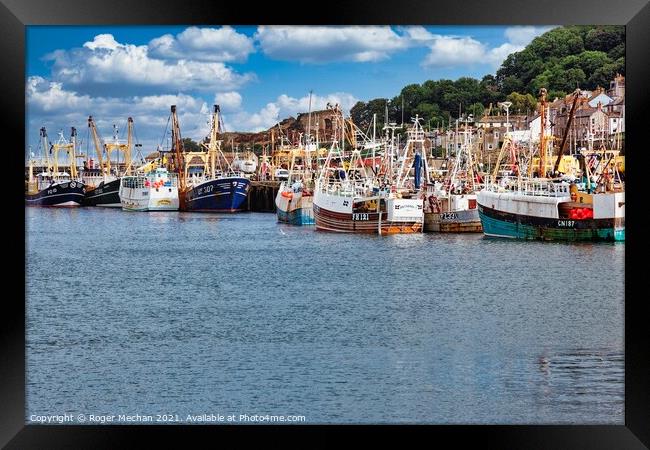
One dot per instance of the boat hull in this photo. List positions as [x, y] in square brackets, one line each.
[149, 199]
[59, 194]
[365, 223]
[466, 221]
[228, 194]
[510, 225]
[297, 210]
[105, 194]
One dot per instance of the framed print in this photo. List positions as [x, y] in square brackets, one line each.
[366, 217]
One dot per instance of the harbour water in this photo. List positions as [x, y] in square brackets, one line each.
[190, 314]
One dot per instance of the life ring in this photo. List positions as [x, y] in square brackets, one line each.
[286, 194]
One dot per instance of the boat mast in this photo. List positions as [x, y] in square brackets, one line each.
[307, 159]
[177, 144]
[73, 156]
[374, 134]
[96, 141]
[212, 145]
[469, 169]
[55, 148]
[129, 146]
[45, 149]
[542, 135]
[576, 95]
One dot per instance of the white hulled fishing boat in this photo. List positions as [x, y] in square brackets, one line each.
[156, 190]
[350, 201]
[294, 200]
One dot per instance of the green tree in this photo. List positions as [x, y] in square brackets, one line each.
[604, 38]
[476, 109]
[521, 103]
[512, 84]
[189, 145]
[603, 75]
[590, 61]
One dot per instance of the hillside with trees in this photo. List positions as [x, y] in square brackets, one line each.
[559, 60]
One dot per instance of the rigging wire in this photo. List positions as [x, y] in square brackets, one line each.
[165, 132]
[137, 144]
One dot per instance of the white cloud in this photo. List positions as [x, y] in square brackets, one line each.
[283, 107]
[418, 34]
[495, 56]
[49, 104]
[320, 44]
[228, 101]
[523, 35]
[108, 67]
[52, 106]
[49, 97]
[103, 41]
[203, 44]
[448, 51]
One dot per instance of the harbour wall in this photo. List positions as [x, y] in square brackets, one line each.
[261, 196]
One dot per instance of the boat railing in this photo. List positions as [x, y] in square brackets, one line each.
[142, 181]
[133, 182]
[544, 188]
[345, 189]
[534, 187]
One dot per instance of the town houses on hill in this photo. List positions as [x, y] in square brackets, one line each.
[599, 119]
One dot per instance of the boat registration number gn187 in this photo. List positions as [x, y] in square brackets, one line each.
[360, 216]
[565, 223]
[448, 216]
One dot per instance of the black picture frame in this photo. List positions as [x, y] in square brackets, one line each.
[15, 15]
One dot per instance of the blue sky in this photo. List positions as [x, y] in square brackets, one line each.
[259, 75]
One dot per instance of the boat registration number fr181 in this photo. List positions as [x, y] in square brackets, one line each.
[360, 216]
[566, 223]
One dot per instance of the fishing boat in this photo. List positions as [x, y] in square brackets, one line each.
[54, 187]
[103, 182]
[216, 186]
[553, 209]
[247, 164]
[450, 205]
[294, 200]
[549, 210]
[156, 190]
[350, 201]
